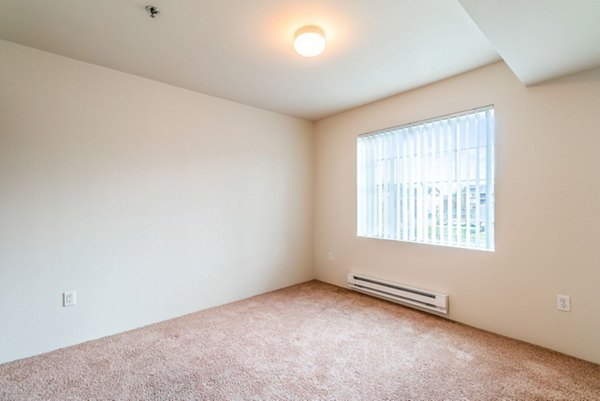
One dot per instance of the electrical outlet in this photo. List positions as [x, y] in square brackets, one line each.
[563, 303]
[69, 298]
[331, 256]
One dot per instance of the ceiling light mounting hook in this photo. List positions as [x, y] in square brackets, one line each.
[153, 11]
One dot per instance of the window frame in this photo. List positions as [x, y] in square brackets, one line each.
[461, 234]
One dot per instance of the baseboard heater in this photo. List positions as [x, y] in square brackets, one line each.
[413, 297]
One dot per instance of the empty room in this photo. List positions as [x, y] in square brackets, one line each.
[299, 200]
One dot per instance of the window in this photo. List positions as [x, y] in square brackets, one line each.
[430, 182]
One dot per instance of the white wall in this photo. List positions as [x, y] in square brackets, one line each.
[151, 201]
[547, 216]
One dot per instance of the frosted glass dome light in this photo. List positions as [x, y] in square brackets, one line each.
[310, 41]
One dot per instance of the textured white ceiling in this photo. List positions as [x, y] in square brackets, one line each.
[242, 50]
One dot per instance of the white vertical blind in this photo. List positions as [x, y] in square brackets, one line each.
[429, 182]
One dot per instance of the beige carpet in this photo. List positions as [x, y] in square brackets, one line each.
[308, 342]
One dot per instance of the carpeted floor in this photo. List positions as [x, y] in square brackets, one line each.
[313, 341]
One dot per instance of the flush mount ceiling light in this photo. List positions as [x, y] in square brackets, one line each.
[310, 41]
